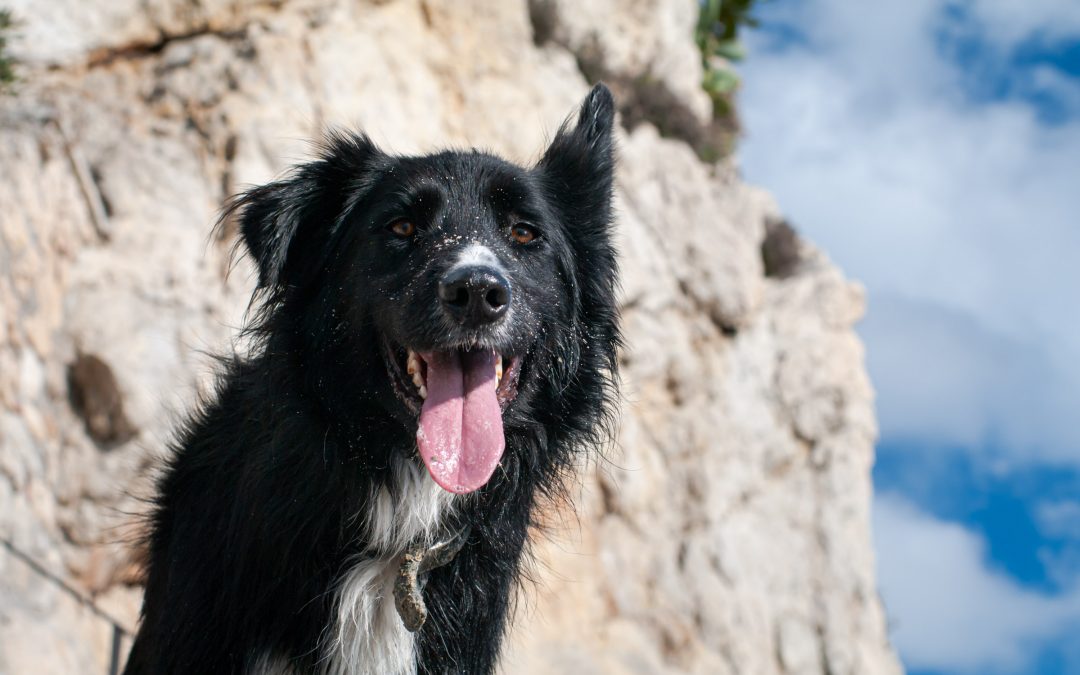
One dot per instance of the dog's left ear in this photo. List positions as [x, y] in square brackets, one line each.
[577, 172]
[580, 162]
[291, 221]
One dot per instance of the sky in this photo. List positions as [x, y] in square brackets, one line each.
[932, 149]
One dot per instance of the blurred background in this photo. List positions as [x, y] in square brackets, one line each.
[741, 524]
[933, 149]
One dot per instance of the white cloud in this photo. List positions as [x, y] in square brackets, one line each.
[942, 375]
[1011, 22]
[1060, 518]
[1051, 82]
[966, 211]
[947, 609]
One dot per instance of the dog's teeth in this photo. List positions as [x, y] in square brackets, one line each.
[498, 369]
[412, 366]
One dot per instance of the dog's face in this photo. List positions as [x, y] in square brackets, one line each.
[467, 292]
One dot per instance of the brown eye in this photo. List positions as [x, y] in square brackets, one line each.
[523, 233]
[403, 228]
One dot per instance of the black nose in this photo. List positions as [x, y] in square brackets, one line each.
[474, 295]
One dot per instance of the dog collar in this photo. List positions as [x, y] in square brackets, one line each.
[417, 561]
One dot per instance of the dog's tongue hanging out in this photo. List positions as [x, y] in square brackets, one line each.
[461, 433]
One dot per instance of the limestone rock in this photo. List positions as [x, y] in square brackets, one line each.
[631, 40]
[727, 531]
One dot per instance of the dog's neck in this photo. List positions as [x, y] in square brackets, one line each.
[409, 509]
[367, 634]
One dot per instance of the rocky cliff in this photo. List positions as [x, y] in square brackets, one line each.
[728, 530]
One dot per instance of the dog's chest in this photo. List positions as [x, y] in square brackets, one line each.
[366, 635]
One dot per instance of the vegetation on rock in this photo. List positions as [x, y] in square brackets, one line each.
[717, 37]
[7, 63]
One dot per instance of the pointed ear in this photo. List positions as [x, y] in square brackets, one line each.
[291, 221]
[577, 173]
[580, 161]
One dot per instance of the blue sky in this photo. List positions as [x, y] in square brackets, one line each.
[932, 148]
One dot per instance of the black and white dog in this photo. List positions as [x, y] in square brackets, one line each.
[435, 344]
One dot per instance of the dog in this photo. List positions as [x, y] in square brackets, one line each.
[434, 345]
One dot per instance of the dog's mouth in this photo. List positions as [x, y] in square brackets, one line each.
[458, 396]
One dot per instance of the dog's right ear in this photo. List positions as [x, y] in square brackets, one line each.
[289, 220]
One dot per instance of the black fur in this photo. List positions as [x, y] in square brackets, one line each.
[257, 513]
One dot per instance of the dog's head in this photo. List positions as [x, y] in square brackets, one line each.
[466, 295]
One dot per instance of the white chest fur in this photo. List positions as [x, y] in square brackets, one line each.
[367, 636]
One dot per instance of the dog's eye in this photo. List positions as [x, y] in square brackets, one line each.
[523, 233]
[403, 228]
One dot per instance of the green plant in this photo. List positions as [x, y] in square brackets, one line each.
[717, 37]
[7, 63]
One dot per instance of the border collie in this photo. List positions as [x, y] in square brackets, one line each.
[435, 344]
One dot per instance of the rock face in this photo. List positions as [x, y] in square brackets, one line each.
[727, 532]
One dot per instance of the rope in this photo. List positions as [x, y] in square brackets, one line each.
[118, 629]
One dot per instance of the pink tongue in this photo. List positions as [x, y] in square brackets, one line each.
[461, 434]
